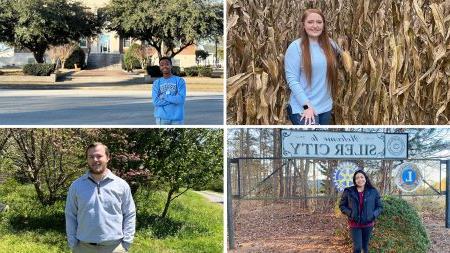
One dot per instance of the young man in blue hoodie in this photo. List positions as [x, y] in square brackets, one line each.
[168, 95]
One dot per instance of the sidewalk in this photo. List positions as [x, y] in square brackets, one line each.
[120, 88]
[214, 197]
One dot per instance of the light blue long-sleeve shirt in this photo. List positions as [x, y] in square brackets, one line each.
[317, 94]
[100, 213]
[168, 95]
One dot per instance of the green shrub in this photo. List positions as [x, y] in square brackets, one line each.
[77, 57]
[38, 69]
[205, 71]
[176, 70]
[216, 185]
[399, 228]
[154, 71]
[130, 62]
[191, 71]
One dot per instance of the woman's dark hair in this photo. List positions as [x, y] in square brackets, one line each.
[368, 183]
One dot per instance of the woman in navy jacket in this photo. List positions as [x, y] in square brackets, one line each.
[362, 204]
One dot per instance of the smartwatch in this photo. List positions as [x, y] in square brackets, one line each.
[305, 107]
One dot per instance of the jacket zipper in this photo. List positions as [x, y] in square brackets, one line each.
[97, 184]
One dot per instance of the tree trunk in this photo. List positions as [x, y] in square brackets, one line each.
[168, 200]
[305, 181]
[296, 175]
[216, 60]
[278, 162]
[39, 56]
[40, 193]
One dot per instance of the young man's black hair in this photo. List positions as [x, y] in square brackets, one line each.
[166, 58]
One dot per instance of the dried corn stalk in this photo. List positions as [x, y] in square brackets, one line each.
[400, 49]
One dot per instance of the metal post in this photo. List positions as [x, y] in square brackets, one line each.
[230, 222]
[238, 178]
[447, 195]
[440, 178]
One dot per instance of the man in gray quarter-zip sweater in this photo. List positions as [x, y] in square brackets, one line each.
[100, 211]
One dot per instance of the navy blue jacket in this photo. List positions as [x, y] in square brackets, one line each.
[372, 206]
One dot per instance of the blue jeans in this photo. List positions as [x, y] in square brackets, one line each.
[160, 121]
[361, 238]
[321, 119]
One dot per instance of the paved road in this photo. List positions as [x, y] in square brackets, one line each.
[212, 196]
[98, 107]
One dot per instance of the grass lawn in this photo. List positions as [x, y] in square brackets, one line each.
[193, 224]
[205, 87]
[204, 84]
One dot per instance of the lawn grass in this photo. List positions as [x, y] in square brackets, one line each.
[205, 87]
[193, 224]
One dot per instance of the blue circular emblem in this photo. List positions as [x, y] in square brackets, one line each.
[408, 177]
[343, 175]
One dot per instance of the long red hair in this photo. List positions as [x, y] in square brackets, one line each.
[325, 44]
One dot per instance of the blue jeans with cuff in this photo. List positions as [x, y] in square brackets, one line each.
[160, 121]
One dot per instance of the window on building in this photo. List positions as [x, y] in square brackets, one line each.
[126, 42]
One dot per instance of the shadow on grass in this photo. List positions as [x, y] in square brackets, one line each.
[54, 222]
[161, 227]
[48, 229]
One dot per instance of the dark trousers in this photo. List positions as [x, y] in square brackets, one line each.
[321, 119]
[361, 238]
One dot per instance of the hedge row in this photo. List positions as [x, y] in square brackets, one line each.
[38, 69]
[154, 71]
[199, 71]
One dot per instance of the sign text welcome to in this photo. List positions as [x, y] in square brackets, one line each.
[343, 145]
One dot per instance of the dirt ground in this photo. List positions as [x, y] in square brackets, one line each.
[287, 227]
[439, 235]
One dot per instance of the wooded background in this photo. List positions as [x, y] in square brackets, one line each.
[168, 160]
[274, 178]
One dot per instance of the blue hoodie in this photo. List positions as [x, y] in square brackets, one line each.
[168, 95]
[317, 94]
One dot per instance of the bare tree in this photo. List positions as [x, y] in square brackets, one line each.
[48, 158]
[66, 51]
[144, 54]
[54, 53]
[61, 53]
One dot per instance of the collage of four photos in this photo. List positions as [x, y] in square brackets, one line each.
[217, 126]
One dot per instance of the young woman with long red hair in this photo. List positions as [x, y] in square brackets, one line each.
[311, 72]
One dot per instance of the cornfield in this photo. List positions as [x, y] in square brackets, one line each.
[400, 51]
